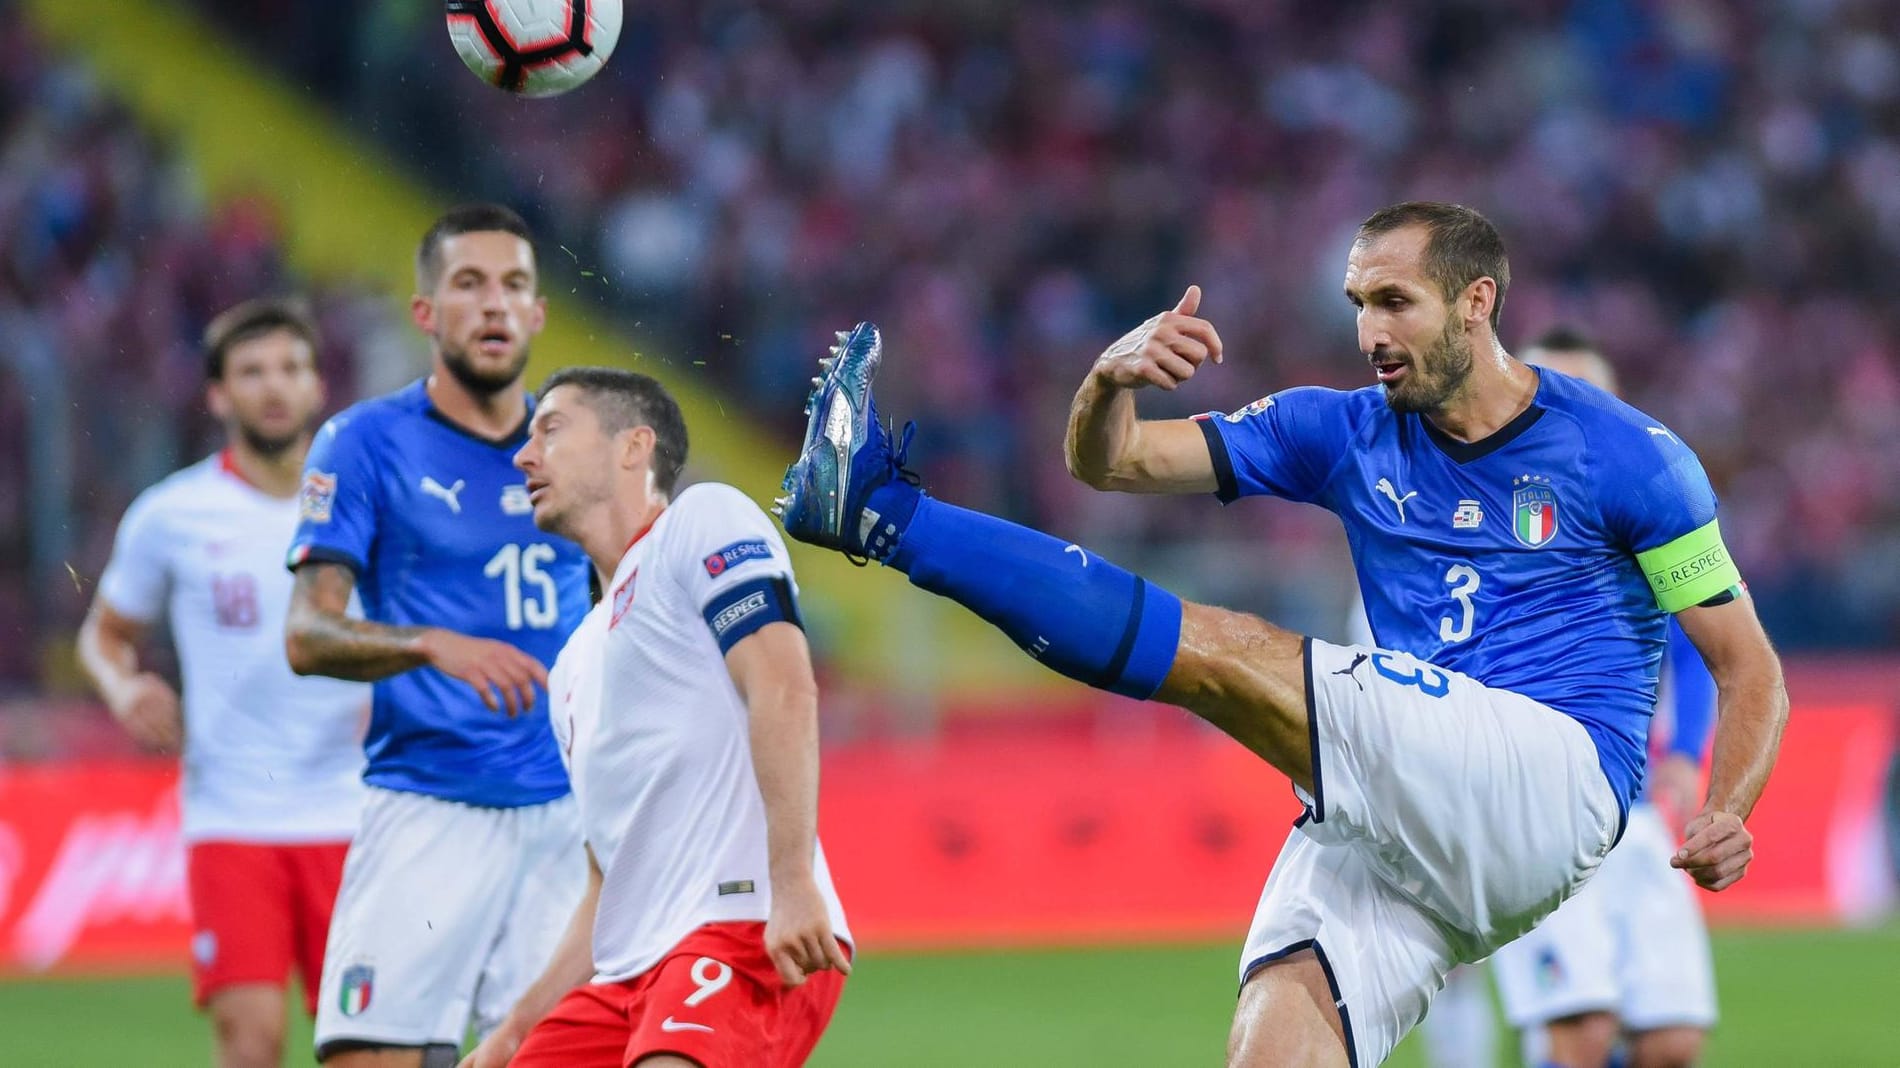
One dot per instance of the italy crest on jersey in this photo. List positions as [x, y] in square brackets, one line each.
[1534, 508]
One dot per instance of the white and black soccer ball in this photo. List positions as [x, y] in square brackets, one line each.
[534, 47]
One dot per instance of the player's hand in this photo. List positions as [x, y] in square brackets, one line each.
[1674, 782]
[495, 1051]
[798, 934]
[1716, 849]
[503, 675]
[1165, 351]
[148, 709]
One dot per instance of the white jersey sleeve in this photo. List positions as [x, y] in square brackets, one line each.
[138, 576]
[733, 564]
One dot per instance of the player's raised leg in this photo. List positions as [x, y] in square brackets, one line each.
[1075, 612]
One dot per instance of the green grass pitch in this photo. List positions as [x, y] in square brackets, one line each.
[1788, 998]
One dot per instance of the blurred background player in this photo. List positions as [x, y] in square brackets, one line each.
[272, 763]
[469, 860]
[688, 712]
[1628, 956]
[1627, 953]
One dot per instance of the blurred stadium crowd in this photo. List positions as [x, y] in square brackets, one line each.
[1712, 190]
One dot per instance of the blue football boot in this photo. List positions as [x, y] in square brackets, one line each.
[847, 454]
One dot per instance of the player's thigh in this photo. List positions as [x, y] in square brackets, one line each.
[587, 1028]
[1667, 974]
[243, 918]
[542, 891]
[415, 918]
[1381, 954]
[1488, 806]
[1245, 676]
[1667, 1047]
[717, 999]
[1287, 1016]
[1563, 967]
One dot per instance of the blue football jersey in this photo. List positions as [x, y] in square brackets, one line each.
[436, 523]
[1513, 559]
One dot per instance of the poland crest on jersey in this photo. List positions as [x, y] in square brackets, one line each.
[1534, 508]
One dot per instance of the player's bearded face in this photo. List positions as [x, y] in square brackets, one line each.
[483, 310]
[1438, 372]
[270, 393]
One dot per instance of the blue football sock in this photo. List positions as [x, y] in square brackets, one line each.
[1070, 609]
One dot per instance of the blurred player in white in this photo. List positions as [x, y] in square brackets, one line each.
[1627, 958]
[686, 709]
[272, 763]
[468, 860]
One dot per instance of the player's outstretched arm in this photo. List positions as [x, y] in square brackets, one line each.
[1107, 446]
[320, 638]
[1751, 711]
[142, 702]
[772, 669]
[571, 965]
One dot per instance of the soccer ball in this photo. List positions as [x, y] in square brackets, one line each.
[534, 47]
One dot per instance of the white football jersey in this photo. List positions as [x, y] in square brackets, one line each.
[269, 756]
[657, 739]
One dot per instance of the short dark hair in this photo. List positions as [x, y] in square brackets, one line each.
[253, 319]
[626, 399]
[1461, 245]
[1564, 338]
[464, 219]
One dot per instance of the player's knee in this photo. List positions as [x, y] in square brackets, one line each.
[248, 1024]
[249, 1042]
[1669, 1047]
[1582, 1041]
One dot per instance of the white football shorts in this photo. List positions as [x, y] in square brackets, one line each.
[1631, 942]
[1446, 819]
[446, 913]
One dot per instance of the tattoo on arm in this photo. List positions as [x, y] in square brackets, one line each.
[321, 638]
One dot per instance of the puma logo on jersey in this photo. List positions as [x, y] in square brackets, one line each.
[1660, 432]
[1350, 669]
[1079, 551]
[449, 495]
[1384, 486]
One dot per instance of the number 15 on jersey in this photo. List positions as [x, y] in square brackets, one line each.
[528, 591]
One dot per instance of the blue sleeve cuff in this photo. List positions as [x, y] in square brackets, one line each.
[1227, 489]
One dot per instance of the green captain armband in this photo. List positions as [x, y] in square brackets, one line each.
[1689, 570]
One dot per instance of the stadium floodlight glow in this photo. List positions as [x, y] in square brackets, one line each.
[534, 47]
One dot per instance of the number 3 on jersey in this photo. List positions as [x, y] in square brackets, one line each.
[529, 592]
[1463, 581]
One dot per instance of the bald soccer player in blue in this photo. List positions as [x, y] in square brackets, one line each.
[1526, 536]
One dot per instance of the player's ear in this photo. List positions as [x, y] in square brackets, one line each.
[539, 317]
[636, 447]
[218, 400]
[422, 313]
[1478, 299]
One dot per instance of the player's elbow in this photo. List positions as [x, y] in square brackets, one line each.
[299, 651]
[1088, 474]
